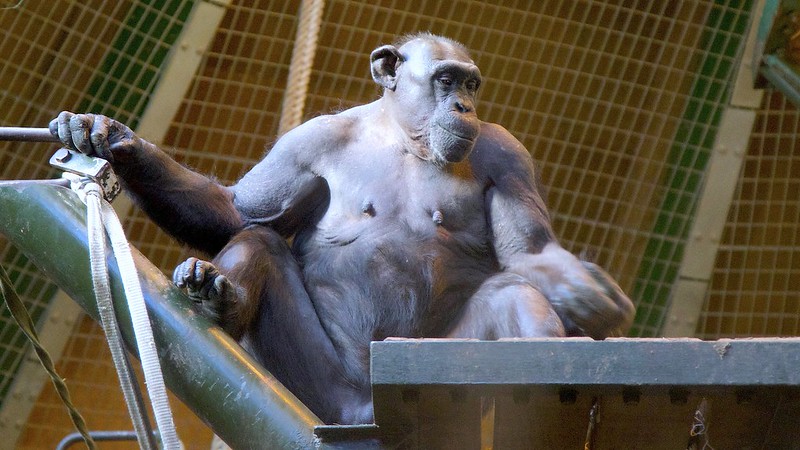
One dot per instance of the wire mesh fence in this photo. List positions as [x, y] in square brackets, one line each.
[618, 101]
[92, 56]
[754, 289]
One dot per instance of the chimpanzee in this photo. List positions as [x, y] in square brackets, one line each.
[407, 216]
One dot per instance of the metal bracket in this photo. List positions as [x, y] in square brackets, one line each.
[98, 170]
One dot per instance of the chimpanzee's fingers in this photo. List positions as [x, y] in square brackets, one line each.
[62, 129]
[207, 286]
[199, 273]
[220, 286]
[80, 126]
[185, 270]
[594, 313]
[53, 126]
[588, 304]
[99, 138]
[177, 275]
[624, 304]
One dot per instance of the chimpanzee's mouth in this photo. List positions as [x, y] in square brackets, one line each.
[456, 134]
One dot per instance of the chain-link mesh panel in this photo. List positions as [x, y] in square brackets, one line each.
[92, 381]
[47, 64]
[714, 61]
[232, 109]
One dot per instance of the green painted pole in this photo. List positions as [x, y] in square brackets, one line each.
[244, 404]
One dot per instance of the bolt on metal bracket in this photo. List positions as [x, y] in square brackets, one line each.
[98, 170]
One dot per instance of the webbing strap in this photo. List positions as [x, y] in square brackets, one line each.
[102, 215]
[108, 319]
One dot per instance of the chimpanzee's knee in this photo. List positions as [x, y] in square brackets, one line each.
[253, 245]
[507, 306]
[254, 261]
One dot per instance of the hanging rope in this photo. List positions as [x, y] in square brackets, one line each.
[305, 48]
[23, 319]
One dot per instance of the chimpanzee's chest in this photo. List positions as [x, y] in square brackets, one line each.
[408, 193]
[448, 207]
[408, 240]
[404, 220]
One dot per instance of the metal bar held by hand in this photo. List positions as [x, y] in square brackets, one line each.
[24, 134]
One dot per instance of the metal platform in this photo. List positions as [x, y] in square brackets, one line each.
[539, 394]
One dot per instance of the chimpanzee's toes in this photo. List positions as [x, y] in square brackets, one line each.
[183, 273]
[205, 286]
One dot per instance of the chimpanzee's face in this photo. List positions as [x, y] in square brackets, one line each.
[436, 85]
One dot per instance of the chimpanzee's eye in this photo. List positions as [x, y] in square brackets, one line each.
[445, 79]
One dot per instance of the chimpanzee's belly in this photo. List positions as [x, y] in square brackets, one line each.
[373, 278]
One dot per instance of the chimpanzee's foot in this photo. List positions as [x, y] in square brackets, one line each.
[211, 291]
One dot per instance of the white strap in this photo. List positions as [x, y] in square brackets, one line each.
[101, 214]
[142, 329]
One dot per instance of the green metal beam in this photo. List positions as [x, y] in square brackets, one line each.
[203, 366]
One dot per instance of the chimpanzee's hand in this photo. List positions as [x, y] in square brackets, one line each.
[621, 303]
[588, 301]
[96, 135]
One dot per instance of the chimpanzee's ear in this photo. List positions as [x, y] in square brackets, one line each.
[384, 61]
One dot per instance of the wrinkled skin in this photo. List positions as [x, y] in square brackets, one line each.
[408, 216]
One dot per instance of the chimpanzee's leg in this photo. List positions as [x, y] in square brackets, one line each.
[261, 297]
[507, 306]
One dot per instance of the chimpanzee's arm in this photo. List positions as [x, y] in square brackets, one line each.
[587, 299]
[189, 206]
[282, 191]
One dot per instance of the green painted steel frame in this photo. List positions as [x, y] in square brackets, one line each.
[771, 57]
[203, 366]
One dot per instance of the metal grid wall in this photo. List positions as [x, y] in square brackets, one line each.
[714, 62]
[89, 56]
[611, 98]
[93, 385]
[754, 290]
[33, 62]
[232, 109]
[602, 93]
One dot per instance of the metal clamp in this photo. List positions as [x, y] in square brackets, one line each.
[98, 170]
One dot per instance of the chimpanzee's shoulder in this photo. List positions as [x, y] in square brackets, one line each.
[321, 134]
[497, 148]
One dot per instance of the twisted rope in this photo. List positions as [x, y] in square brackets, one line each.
[23, 319]
[305, 47]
